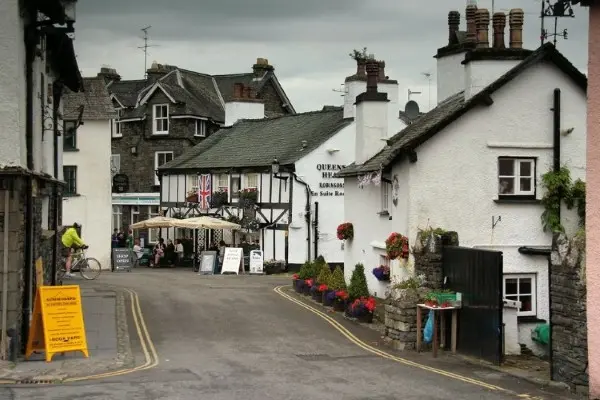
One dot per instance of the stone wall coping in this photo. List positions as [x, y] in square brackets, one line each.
[377, 245]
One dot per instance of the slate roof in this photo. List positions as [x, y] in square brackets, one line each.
[257, 142]
[203, 95]
[454, 107]
[94, 98]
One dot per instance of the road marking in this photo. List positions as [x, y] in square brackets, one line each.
[345, 332]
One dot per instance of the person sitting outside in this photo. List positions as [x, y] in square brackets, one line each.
[179, 250]
[138, 251]
[71, 242]
[159, 251]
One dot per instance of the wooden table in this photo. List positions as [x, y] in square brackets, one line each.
[437, 311]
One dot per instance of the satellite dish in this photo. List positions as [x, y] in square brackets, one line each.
[411, 109]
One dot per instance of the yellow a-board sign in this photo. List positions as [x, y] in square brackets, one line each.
[57, 323]
[39, 272]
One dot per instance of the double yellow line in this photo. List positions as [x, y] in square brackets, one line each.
[345, 332]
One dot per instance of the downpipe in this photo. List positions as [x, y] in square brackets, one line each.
[307, 216]
[57, 91]
[5, 272]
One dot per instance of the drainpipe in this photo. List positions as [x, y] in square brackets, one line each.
[57, 90]
[556, 146]
[316, 229]
[30, 43]
[307, 209]
[5, 272]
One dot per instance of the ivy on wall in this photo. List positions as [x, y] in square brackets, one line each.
[560, 188]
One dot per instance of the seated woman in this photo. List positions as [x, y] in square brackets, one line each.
[159, 251]
[170, 252]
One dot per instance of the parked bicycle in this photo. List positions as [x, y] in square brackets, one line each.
[88, 267]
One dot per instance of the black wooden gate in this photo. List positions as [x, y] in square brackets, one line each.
[477, 274]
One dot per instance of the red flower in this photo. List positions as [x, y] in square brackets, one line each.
[345, 231]
[322, 288]
[295, 276]
[397, 246]
[341, 294]
[309, 282]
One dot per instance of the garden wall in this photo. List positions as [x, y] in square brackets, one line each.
[568, 305]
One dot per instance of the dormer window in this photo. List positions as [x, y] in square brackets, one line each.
[200, 128]
[160, 119]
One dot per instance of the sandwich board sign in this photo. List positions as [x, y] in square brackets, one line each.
[256, 262]
[122, 259]
[57, 322]
[232, 261]
[208, 260]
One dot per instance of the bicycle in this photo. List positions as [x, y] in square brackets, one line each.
[88, 267]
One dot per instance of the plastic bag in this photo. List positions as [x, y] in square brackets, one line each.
[428, 331]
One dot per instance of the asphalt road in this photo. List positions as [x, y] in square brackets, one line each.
[227, 337]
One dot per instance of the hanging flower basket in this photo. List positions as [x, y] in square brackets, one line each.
[248, 197]
[218, 199]
[382, 273]
[192, 196]
[345, 231]
[250, 224]
[396, 246]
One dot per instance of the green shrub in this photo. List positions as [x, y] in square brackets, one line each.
[358, 283]
[305, 270]
[324, 277]
[337, 280]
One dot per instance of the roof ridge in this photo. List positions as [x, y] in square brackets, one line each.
[291, 115]
[233, 74]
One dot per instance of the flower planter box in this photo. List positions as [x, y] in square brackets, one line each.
[299, 284]
[367, 318]
[325, 300]
[339, 305]
[306, 290]
[317, 296]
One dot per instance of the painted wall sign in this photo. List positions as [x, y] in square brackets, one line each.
[329, 181]
[120, 183]
[133, 201]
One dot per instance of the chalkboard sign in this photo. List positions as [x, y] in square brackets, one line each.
[122, 258]
[208, 260]
[120, 183]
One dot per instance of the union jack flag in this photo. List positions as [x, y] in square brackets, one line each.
[204, 191]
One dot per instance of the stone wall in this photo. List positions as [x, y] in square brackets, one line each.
[568, 311]
[401, 319]
[427, 253]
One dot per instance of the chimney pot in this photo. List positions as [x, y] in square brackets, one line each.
[499, 23]
[361, 67]
[515, 18]
[238, 89]
[471, 15]
[453, 26]
[381, 76]
[372, 68]
[483, 28]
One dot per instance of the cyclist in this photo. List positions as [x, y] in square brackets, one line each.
[71, 242]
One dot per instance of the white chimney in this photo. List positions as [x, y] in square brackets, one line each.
[371, 117]
[243, 105]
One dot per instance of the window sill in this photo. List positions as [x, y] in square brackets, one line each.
[378, 245]
[116, 136]
[517, 200]
[530, 319]
[70, 150]
[160, 133]
[199, 136]
[71, 195]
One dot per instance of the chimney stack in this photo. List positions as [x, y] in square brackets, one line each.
[381, 66]
[471, 23]
[248, 93]
[515, 18]
[238, 89]
[372, 68]
[453, 26]
[483, 28]
[261, 67]
[499, 26]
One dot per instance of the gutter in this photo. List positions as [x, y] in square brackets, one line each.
[307, 215]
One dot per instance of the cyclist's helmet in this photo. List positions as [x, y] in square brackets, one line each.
[76, 225]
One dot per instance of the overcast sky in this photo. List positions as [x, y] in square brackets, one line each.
[307, 41]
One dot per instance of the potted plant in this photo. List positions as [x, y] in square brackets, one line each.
[358, 283]
[192, 196]
[316, 293]
[382, 273]
[303, 274]
[219, 199]
[341, 300]
[250, 224]
[362, 309]
[396, 246]
[345, 231]
[308, 284]
[248, 197]
[295, 279]
[328, 297]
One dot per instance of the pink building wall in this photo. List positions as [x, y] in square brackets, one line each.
[593, 202]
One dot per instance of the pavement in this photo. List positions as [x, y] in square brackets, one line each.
[235, 337]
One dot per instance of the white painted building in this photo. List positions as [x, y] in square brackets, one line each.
[300, 207]
[474, 165]
[86, 165]
[37, 63]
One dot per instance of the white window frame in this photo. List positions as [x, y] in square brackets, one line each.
[115, 164]
[192, 183]
[533, 278]
[222, 183]
[117, 211]
[163, 118]
[153, 233]
[385, 197]
[135, 210]
[157, 154]
[116, 125]
[248, 181]
[200, 128]
[517, 176]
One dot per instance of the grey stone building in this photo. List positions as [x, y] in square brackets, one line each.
[161, 116]
[38, 64]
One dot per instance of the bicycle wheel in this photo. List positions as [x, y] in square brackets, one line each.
[90, 268]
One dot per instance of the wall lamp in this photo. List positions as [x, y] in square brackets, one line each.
[275, 167]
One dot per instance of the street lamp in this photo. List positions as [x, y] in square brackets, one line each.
[69, 6]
